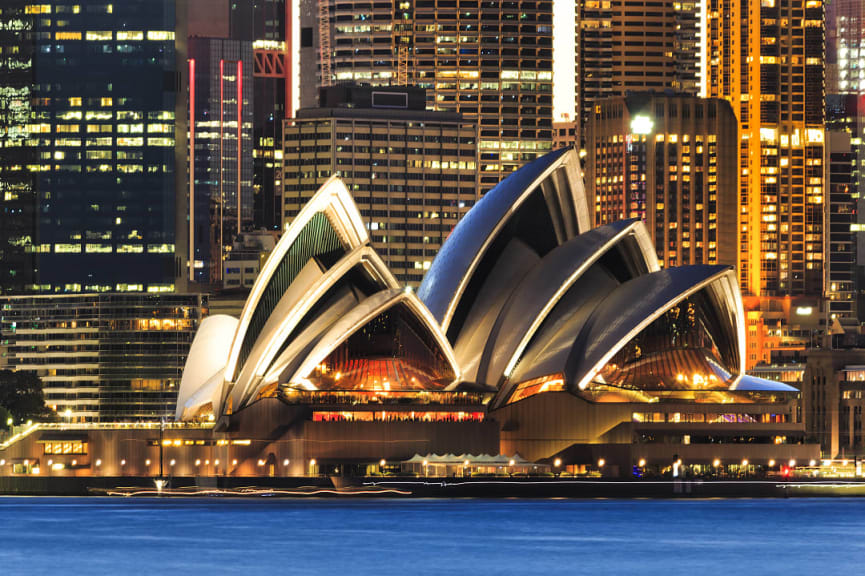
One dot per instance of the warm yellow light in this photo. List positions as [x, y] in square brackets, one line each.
[216, 462]
[261, 462]
[233, 462]
[147, 462]
[425, 463]
[557, 462]
[198, 462]
[382, 462]
[745, 462]
[466, 463]
[173, 462]
[771, 463]
[312, 462]
[812, 463]
[716, 462]
[843, 462]
[123, 462]
[601, 463]
[511, 463]
[98, 462]
[792, 463]
[642, 463]
[286, 462]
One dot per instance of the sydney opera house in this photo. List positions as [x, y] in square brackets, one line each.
[533, 333]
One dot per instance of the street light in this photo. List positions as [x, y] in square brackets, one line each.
[601, 463]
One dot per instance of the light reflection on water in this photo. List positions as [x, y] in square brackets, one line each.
[366, 537]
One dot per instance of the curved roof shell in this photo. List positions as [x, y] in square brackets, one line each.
[547, 192]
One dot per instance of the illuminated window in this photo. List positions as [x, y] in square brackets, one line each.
[160, 35]
[98, 35]
[130, 35]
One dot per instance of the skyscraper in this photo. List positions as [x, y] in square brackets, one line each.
[411, 171]
[670, 161]
[18, 154]
[840, 263]
[89, 181]
[845, 95]
[268, 25]
[220, 137]
[626, 46]
[766, 59]
[492, 62]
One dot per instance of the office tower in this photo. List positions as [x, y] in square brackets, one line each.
[626, 46]
[104, 147]
[102, 357]
[268, 25]
[670, 161]
[18, 202]
[492, 62]
[411, 171]
[840, 262]
[766, 59]
[845, 93]
[220, 138]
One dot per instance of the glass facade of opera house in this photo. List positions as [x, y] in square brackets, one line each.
[533, 333]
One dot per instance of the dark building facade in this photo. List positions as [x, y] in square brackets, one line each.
[840, 261]
[221, 155]
[267, 24]
[94, 201]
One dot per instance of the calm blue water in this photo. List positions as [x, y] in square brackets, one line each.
[379, 537]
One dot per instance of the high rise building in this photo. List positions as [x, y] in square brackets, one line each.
[220, 137]
[102, 357]
[411, 171]
[766, 59]
[89, 182]
[840, 262]
[670, 161]
[268, 25]
[845, 94]
[492, 62]
[626, 46]
[18, 155]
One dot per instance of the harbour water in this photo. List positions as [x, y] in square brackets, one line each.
[460, 536]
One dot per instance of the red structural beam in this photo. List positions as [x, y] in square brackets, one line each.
[270, 64]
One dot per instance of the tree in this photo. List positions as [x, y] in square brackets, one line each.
[21, 395]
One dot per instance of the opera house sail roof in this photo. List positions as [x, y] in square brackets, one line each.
[524, 297]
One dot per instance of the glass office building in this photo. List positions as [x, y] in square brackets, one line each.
[102, 357]
[89, 188]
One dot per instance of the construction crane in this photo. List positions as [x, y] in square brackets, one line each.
[324, 51]
[402, 35]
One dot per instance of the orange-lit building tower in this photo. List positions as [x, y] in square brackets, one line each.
[766, 59]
